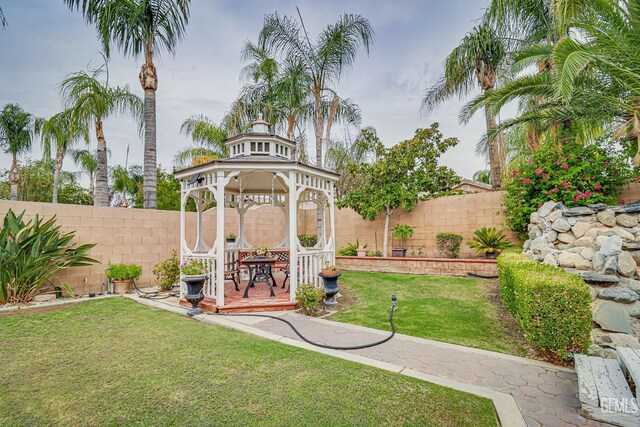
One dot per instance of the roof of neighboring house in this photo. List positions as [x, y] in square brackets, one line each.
[480, 185]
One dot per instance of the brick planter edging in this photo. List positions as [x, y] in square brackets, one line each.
[438, 266]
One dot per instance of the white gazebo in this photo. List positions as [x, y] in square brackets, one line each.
[260, 170]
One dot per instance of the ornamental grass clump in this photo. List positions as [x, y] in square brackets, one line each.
[552, 307]
[32, 254]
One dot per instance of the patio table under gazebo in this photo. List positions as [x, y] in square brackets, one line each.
[260, 170]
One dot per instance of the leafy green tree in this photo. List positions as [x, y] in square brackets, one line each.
[477, 60]
[340, 154]
[208, 142]
[126, 181]
[401, 176]
[91, 101]
[16, 135]
[59, 135]
[36, 185]
[140, 27]
[88, 163]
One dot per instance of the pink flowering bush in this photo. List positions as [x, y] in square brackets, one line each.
[573, 174]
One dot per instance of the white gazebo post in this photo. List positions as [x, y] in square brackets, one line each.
[332, 225]
[220, 240]
[293, 235]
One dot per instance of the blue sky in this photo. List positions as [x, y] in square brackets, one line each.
[44, 42]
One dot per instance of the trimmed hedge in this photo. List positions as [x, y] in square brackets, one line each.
[552, 307]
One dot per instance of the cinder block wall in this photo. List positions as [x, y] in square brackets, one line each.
[147, 237]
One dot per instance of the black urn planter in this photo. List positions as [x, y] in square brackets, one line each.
[195, 294]
[399, 252]
[330, 287]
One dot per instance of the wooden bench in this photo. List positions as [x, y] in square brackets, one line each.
[603, 390]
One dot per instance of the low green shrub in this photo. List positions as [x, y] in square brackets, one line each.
[552, 307]
[167, 272]
[449, 244]
[308, 240]
[310, 298]
[32, 253]
[123, 271]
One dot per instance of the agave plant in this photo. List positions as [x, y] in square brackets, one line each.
[351, 249]
[31, 255]
[489, 241]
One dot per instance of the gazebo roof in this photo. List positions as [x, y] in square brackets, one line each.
[264, 163]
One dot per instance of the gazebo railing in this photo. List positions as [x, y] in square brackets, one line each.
[310, 263]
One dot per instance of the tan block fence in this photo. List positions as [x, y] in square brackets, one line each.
[146, 237]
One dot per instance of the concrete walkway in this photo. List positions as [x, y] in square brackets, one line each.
[523, 390]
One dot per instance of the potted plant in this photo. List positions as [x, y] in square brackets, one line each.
[122, 275]
[489, 241]
[362, 250]
[230, 238]
[261, 251]
[330, 274]
[194, 275]
[402, 232]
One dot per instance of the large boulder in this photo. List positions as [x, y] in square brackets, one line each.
[581, 228]
[613, 317]
[609, 245]
[607, 217]
[610, 265]
[561, 225]
[573, 260]
[585, 242]
[622, 295]
[626, 264]
[567, 238]
[546, 209]
[587, 253]
[626, 220]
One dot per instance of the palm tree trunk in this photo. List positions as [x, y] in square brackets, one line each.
[495, 167]
[318, 125]
[149, 82]
[387, 218]
[333, 109]
[14, 176]
[101, 197]
[92, 188]
[56, 174]
[291, 124]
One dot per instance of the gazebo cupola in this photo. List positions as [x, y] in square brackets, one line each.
[260, 143]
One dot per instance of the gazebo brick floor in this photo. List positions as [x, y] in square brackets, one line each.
[259, 299]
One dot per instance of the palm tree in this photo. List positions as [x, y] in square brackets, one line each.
[140, 27]
[483, 175]
[478, 59]
[3, 21]
[88, 163]
[208, 140]
[59, 135]
[92, 101]
[126, 181]
[16, 135]
[324, 62]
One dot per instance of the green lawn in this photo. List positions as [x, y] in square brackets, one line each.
[451, 309]
[115, 362]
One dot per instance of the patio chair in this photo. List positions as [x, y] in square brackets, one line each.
[232, 272]
[286, 272]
